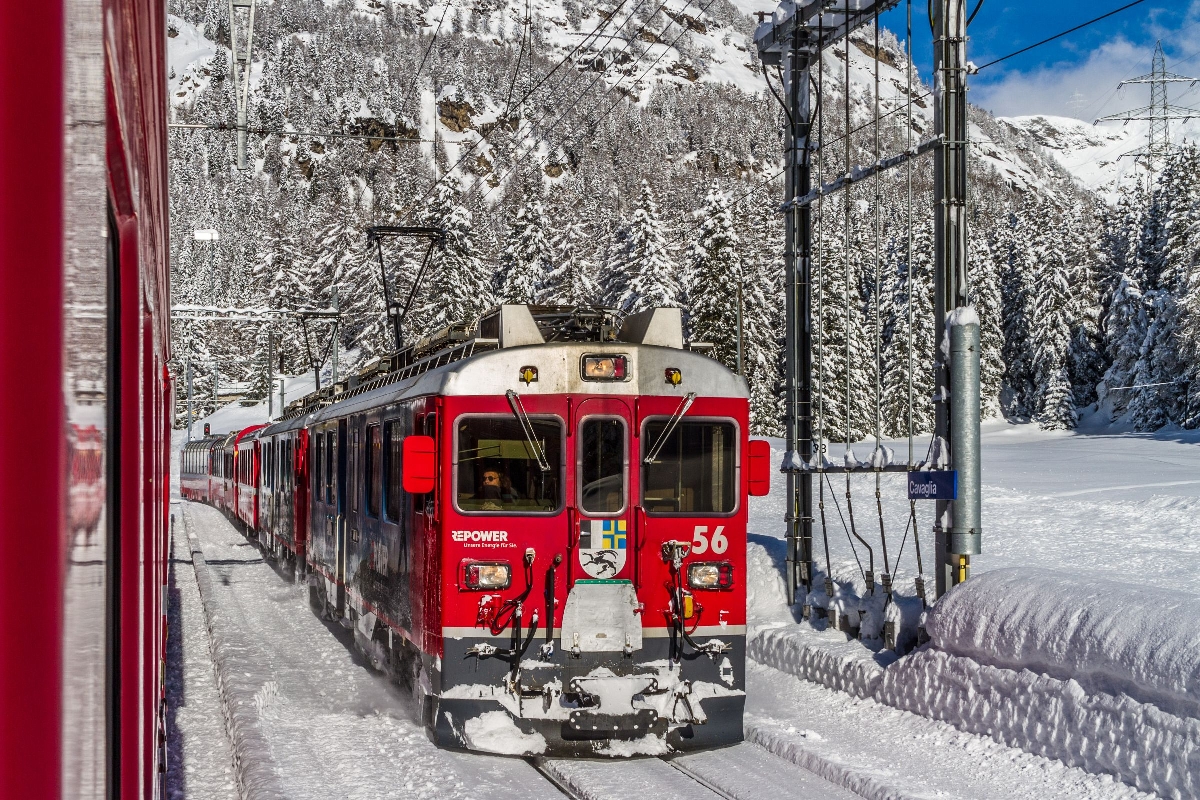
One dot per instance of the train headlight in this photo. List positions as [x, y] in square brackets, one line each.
[710, 575]
[673, 376]
[486, 575]
[605, 368]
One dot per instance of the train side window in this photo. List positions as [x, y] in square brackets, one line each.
[694, 470]
[329, 467]
[602, 465]
[393, 443]
[498, 468]
[374, 453]
[318, 472]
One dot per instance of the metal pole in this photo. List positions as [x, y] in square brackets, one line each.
[798, 291]
[216, 388]
[212, 274]
[189, 399]
[956, 526]
[740, 342]
[270, 375]
[336, 332]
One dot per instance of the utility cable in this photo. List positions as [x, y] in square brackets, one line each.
[428, 49]
[554, 70]
[1060, 35]
[590, 125]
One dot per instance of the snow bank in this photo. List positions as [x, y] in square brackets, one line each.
[1099, 675]
[826, 657]
[245, 686]
[832, 661]
[1111, 637]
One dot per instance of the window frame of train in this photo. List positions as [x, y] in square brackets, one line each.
[373, 470]
[560, 466]
[580, 455]
[648, 440]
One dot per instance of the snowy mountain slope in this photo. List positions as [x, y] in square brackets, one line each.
[1093, 153]
[627, 49]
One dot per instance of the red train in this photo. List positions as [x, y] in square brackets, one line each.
[538, 525]
[85, 403]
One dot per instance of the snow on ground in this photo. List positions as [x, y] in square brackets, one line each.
[1104, 504]
[1098, 501]
[200, 761]
[330, 725]
[881, 752]
[1097, 674]
[1093, 663]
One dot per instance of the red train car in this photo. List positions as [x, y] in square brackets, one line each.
[196, 467]
[85, 403]
[246, 477]
[540, 528]
[283, 492]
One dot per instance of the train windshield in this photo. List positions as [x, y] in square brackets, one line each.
[694, 470]
[498, 469]
[602, 466]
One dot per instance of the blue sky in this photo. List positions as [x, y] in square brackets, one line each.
[1075, 76]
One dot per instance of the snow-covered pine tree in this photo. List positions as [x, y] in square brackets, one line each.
[1050, 330]
[1016, 268]
[653, 274]
[1188, 333]
[527, 257]
[714, 274]
[841, 304]
[458, 290]
[1085, 360]
[985, 291]
[919, 299]
[572, 281]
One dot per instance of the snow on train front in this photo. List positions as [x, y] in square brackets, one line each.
[590, 511]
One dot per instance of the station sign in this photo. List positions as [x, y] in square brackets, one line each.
[933, 485]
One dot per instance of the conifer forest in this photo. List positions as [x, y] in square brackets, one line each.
[586, 183]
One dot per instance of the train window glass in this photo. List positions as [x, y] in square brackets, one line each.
[374, 452]
[329, 462]
[319, 464]
[393, 443]
[497, 466]
[602, 466]
[694, 471]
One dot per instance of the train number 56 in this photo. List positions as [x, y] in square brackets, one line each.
[700, 542]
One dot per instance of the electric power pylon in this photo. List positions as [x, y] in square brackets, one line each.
[1159, 113]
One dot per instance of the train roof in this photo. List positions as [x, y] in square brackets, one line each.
[652, 341]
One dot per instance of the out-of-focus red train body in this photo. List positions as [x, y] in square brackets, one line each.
[538, 524]
[85, 398]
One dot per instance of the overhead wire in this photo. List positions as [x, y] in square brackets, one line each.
[877, 457]
[428, 49]
[912, 100]
[590, 124]
[819, 283]
[553, 71]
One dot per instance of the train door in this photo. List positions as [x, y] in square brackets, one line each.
[604, 536]
[358, 479]
[339, 449]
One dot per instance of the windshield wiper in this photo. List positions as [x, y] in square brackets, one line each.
[518, 409]
[662, 437]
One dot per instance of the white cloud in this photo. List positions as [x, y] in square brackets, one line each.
[1087, 89]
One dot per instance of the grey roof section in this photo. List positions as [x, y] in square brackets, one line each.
[559, 372]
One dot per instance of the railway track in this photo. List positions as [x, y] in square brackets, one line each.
[742, 772]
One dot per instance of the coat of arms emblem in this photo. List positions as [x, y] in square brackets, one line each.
[602, 547]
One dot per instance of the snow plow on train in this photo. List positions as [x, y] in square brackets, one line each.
[537, 524]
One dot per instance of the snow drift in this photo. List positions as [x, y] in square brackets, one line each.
[1100, 675]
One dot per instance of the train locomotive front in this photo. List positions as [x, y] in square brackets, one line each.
[547, 541]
